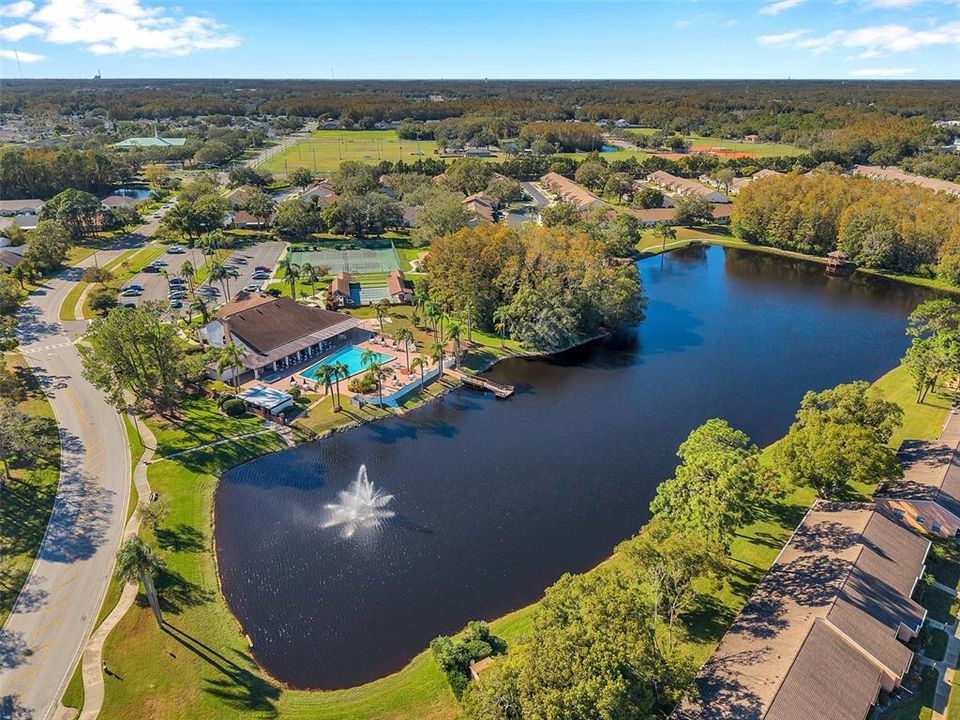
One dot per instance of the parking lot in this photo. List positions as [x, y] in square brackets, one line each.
[156, 284]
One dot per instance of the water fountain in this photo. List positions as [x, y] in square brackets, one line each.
[361, 506]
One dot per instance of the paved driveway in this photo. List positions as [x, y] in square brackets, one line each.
[41, 641]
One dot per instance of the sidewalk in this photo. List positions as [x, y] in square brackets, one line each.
[92, 660]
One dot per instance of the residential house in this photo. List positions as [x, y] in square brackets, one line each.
[237, 197]
[894, 174]
[483, 206]
[277, 333]
[9, 260]
[569, 191]
[928, 496]
[113, 201]
[338, 292]
[243, 220]
[20, 207]
[824, 631]
[400, 294]
[321, 194]
[685, 187]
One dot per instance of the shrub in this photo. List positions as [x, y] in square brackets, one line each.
[363, 384]
[294, 392]
[234, 407]
[454, 657]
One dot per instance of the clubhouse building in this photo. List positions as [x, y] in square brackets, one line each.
[278, 334]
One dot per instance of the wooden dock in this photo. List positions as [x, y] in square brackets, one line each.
[501, 390]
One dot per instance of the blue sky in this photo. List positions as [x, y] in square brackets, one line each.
[480, 38]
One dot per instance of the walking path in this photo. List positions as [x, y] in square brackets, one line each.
[945, 669]
[42, 638]
[220, 442]
[93, 682]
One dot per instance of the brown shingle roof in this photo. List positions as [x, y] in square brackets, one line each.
[264, 324]
[825, 658]
[340, 284]
[570, 191]
[396, 282]
[847, 567]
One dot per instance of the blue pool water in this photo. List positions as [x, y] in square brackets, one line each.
[349, 356]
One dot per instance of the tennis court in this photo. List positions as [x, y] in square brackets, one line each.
[357, 261]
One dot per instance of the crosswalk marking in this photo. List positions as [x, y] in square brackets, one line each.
[44, 348]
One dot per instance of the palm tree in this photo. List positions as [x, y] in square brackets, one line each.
[453, 333]
[470, 310]
[218, 273]
[200, 305]
[380, 372]
[665, 232]
[291, 272]
[436, 354]
[500, 318]
[368, 358]
[404, 335]
[325, 375]
[381, 308]
[230, 273]
[419, 364]
[188, 271]
[136, 562]
[433, 313]
[309, 273]
[231, 358]
[340, 372]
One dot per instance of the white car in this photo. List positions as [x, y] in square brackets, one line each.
[175, 250]
[130, 292]
[159, 263]
[252, 288]
[261, 276]
[132, 286]
[176, 295]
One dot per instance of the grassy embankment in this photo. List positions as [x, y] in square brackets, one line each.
[27, 499]
[204, 669]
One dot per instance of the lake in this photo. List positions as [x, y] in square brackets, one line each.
[495, 499]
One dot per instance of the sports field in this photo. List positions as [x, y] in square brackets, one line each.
[356, 261]
[324, 150]
[732, 147]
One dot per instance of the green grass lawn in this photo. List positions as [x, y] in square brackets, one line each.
[938, 604]
[28, 497]
[324, 150]
[67, 310]
[953, 704]
[198, 422]
[917, 705]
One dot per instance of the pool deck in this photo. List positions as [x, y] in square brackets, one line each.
[293, 377]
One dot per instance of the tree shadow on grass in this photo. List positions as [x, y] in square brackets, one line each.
[242, 689]
[182, 538]
[177, 593]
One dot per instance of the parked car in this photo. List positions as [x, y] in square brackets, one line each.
[261, 268]
[261, 276]
[130, 292]
[159, 262]
[151, 269]
[175, 250]
[208, 290]
[176, 304]
[177, 281]
[176, 295]
[132, 286]
[251, 288]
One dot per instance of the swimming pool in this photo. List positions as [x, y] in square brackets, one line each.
[349, 356]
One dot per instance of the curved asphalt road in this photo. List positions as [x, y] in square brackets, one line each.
[54, 614]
